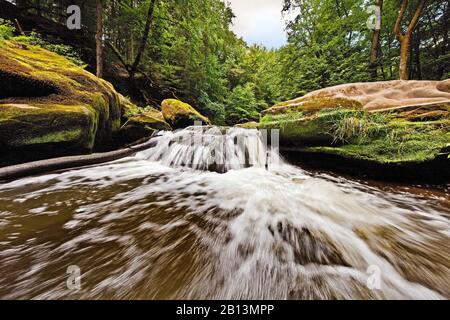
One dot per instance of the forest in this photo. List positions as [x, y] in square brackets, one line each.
[154, 49]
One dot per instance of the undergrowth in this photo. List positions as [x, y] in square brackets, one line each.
[356, 126]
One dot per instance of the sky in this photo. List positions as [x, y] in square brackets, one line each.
[259, 22]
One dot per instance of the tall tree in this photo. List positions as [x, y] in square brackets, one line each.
[134, 66]
[99, 38]
[144, 38]
[375, 47]
[405, 37]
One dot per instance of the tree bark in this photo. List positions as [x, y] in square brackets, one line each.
[417, 63]
[43, 166]
[99, 39]
[404, 38]
[144, 39]
[404, 57]
[375, 48]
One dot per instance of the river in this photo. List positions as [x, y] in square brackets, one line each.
[153, 227]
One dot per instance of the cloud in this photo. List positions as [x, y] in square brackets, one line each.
[259, 22]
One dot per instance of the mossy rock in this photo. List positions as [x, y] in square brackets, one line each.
[141, 125]
[248, 125]
[312, 105]
[340, 125]
[51, 107]
[180, 114]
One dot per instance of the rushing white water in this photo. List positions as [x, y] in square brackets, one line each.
[152, 226]
[213, 149]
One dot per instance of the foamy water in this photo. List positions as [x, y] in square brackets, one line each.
[158, 225]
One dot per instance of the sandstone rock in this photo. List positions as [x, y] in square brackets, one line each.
[393, 122]
[371, 96]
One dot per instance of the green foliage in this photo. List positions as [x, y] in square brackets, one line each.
[193, 52]
[329, 44]
[243, 106]
[215, 111]
[6, 30]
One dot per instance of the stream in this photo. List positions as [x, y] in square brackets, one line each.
[171, 222]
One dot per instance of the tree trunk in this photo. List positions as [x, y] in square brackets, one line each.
[404, 38]
[375, 48]
[99, 39]
[144, 39]
[417, 62]
[445, 42]
[43, 166]
[404, 58]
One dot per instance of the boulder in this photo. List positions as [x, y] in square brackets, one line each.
[396, 123]
[371, 96]
[51, 107]
[181, 115]
[141, 123]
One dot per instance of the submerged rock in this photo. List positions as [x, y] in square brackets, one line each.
[51, 107]
[385, 124]
[181, 115]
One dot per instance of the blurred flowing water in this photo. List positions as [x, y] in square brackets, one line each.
[173, 222]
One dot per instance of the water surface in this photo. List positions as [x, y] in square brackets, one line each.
[147, 227]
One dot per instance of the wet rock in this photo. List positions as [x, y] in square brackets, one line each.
[141, 124]
[309, 247]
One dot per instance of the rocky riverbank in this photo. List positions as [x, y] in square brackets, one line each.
[50, 107]
[398, 129]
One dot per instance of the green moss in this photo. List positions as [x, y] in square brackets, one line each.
[310, 105]
[55, 137]
[248, 125]
[129, 109]
[24, 125]
[420, 149]
[143, 124]
[179, 114]
[56, 78]
[150, 119]
[401, 142]
[296, 128]
[281, 118]
[48, 99]
[64, 50]
[383, 137]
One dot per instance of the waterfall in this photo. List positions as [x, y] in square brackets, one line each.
[214, 149]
